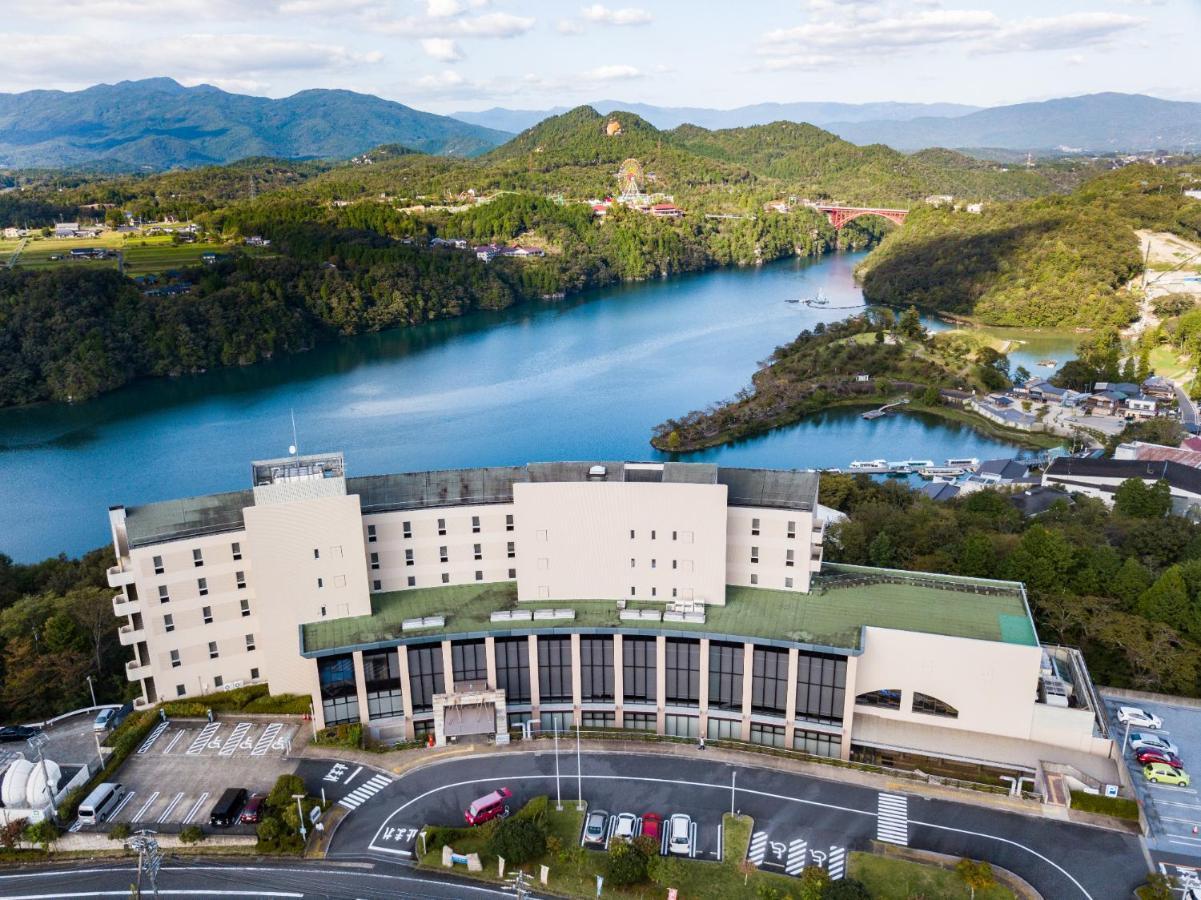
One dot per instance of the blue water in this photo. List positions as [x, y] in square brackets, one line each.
[581, 379]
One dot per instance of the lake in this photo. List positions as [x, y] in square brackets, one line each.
[585, 378]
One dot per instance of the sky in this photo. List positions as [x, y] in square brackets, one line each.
[448, 55]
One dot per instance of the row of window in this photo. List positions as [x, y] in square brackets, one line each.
[477, 553]
[206, 615]
[788, 581]
[218, 681]
[377, 584]
[678, 564]
[922, 703]
[789, 531]
[685, 537]
[202, 587]
[789, 557]
[214, 652]
[197, 558]
[407, 528]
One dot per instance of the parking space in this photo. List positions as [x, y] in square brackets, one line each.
[180, 770]
[1173, 813]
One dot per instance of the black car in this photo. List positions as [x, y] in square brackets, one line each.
[10, 733]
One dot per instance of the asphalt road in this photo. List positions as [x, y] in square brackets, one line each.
[1188, 410]
[806, 820]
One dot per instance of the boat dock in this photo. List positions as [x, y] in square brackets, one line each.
[883, 410]
[924, 468]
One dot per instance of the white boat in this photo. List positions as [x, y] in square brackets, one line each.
[919, 463]
[868, 464]
[899, 468]
[968, 462]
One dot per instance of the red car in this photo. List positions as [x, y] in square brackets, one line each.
[1148, 755]
[652, 825]
[252, 813]
[489, 806]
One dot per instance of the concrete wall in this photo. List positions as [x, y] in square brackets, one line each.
[773, 569]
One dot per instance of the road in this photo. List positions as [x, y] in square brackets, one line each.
[803, 819]
[1188, 410]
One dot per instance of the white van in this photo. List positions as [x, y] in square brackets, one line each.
[99, 804]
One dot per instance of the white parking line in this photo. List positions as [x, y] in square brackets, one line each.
[152, 737]
[692, 840]
[175, 740]
[120, 806]
[365, 791]
[137, 817]
[231, 743]
[166, 814]
[266, 738]
[1175, 789]
[798, 852]
[351, 777]
[201, 741]
[837, 863]
[195, 808]
[1196, 806]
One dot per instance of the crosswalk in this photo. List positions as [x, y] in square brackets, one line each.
[758, 849]
[365, 791]
[798, 852]
[892, 819]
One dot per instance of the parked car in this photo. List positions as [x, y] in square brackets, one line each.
[679, 830]
[10, 733]
[488, 807]
[225, 810]
[1141, 739]
[1158, 773]
[627, 823]
[104, 719]
[1135, 715]
[594, 828]
[252, 814]
[652, 825]
[1152, 755]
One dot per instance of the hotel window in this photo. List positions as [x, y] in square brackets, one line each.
[817, 743]
[240, 579]
[479, 575]
[674, 535]
[598, 720]
[236, 550]
[632, 562]
[754, 578]
[407, 529]
[754, 554]
[197, 557]
[168, 623]
[175, 663]
[787, 582]
[511, 550]
[654, 592]
[725, 675]
[218, 680]
[316, 553]
[654, 563]
[885, 699]
[254, 674]
[682, 726]
[652, 534]
[554, 669]
[371, 534]
[206, 613]
[792, 529]
[932, 706]
[475, 524]
[513, 669]
[639, 721]
[441, 526]
[682, 663]
[633, 590]
[675, 563]
[202, 585]
[377, 585]
[724, 729]
[638, 670]
[820, 688]
[339, 696]
[790, 557]
[446, 578]
[769, 681]
[596, 668]
[409, 557]
[412, 581]
[443, 556]
[163, 595]
[381, 675]
[769, 735]
[469, 661]
[512, 573]
[245, 604]
[158, 565]
[632, 532]
[249, 642]
[320, 582]
[375, 560]
[180, 690]
[754, 527]
[213, 654]
[477, 550]
[509, 522]
[425, 675]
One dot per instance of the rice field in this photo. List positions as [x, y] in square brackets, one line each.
[142, 255]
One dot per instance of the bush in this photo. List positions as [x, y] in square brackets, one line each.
[192, 834]
[44, 833]
[254, 698]
[1120, 807]
[280, 797]
[627, 862]
[535, 810]
[119, 832]
[11, 833]
[344, 735]
[518, 840]
[846, 889]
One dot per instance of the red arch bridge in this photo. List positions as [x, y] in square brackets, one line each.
[840, 215]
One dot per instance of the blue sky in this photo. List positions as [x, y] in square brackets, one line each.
[446, 55]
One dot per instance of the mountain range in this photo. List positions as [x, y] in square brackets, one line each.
[157, 123]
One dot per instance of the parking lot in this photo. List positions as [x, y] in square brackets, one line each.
[181, 769]
[1172, 812]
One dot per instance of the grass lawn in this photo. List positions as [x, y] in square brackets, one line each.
[887, 878]
[143, 257]
[1166, 362]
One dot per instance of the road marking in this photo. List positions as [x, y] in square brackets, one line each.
[232, 742]
[170, 806]
[137, 817]
[352, 775]
[201, 740]
[162, 892]
[797, 852]
[152, 737]
[1174, 788]
[175, 740]
[1196, 806]
[892, 819]
[265, 739]
[692, 840]
[758, 848]
[120, 806]
[195, 808]
[837, 863]
[365, 791]
[1173, 819]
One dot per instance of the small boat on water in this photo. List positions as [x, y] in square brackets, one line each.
[819, 300]
[1047, 363]
[868, 464]
[919, 463]
[967, 462]
[793, 300]
[899, 468]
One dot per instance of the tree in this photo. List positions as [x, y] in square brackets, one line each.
[1043, 559]
[1167, 601]
[976, 556]
[626, 863]
[10, 833]
[665, 871]
[44, 833]
[846, 889]
[977, 875]
[1021, 375]
[881, 551]
[1138, 500]
[910, 324]
[518, 840]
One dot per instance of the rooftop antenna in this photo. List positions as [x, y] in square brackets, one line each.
[293, 448]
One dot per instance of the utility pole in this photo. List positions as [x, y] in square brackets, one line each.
[37, 743]
[579, 771]
[558, 793]
[520, 884]
[149, 859]
[300, 815]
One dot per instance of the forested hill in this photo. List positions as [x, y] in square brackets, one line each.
[1046, 262]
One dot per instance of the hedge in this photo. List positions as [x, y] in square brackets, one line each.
[1119, 807]
[344, 735]
[254, 698]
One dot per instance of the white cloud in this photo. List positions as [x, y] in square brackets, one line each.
[569, 26]
[441, 81]
[912, 30]
[613, 73]
[1061, 32]
[442, 49]
[602, 15]
[488, 25]
[807, 61]
[442, 9]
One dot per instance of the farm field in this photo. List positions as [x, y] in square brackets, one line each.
[142, 255]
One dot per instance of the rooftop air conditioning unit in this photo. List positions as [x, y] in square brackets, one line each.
[597, 472]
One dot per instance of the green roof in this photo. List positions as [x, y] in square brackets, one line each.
[844, 600]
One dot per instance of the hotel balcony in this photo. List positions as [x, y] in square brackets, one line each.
[819, 532]
[120, 574]
[136, 671]
[123, 607]
[131, 634]
[142, 703]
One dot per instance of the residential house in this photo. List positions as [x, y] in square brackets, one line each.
[1158, 453]
[666, 210]
[1142, 407]
[940, 490]
[1037, 500]
[1102, 477]
[1159, 388]
[65, 229]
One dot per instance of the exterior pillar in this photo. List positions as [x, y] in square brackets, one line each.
[703, 693]
[619, 684]
[406, 695]
[448, 668]
[577, 678]
[490, 660]
[848, 707]
[790, 697]
[360, 684]
[748, 675]
[660, 681]
[535, 684]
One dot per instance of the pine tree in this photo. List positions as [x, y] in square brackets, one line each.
[1167, 600]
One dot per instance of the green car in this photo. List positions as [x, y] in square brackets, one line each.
[1161, 773]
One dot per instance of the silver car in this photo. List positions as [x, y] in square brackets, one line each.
[594, 827]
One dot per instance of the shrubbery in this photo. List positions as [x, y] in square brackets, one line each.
[344, 735]
[279, 831]
[254, 698]
[518, 840]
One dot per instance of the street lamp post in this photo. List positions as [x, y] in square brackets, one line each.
[92, 688]
[558, 793]
[579, 771]
[300, 815]
[1126, 736]
[733, 781]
